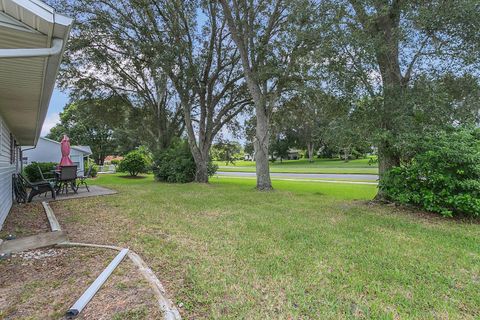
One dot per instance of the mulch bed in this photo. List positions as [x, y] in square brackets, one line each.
[25, 220]
[44, 283]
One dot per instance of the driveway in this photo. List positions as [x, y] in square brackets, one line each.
[369, 177]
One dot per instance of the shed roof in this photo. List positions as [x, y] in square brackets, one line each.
[86, 150]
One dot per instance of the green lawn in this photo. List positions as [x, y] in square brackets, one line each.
[304, 251]
[303, 166]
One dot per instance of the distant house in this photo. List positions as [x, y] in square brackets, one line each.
[48, 150]
[248, 157]
[109, 159]
[293, 154]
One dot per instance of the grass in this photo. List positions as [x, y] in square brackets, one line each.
[332, 190]
[136, 314]
[304, 251]
[359, 166]
[356, 178]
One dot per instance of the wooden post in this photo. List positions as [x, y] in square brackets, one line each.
[33, 242]
[54, 225]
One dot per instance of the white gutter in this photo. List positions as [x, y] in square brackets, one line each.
[57, 45]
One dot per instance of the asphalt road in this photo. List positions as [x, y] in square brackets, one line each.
[369, 177]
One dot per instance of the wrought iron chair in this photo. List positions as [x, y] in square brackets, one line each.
[83, 179]
[20, 185]
[65, 178]
[42, 175]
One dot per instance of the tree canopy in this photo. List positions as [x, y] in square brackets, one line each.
[342, 76]
[92, 123]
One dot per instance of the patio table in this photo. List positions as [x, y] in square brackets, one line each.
[66, 177]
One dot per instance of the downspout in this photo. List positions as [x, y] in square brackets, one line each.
[21, 156]
[57, 45]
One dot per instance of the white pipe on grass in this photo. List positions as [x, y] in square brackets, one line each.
[170, 312]
[95, 286]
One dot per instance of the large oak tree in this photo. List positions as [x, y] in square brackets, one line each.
[202, 62]
[112, 51]
[266, 34]
[378, 49]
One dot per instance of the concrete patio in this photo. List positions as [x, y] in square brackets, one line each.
[81, 193]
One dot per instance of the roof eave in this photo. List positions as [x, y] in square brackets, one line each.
[59, 27]
[51, 71]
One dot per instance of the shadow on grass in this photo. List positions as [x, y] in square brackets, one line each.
[419, 213]
[132, 177]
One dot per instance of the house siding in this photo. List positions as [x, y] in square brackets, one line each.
[6, 171]
[50, 151]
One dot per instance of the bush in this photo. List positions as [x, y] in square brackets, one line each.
[87, 164]
[443, 178]
[31, 171]
[176, 164]
[94, 171]
[135, 162]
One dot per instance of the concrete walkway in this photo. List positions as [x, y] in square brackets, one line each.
[352, 177]
[81, 193]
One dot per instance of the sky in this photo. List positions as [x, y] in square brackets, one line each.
[60, 99]
[57, 103]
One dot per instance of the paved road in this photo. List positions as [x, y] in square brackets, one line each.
[369, 177]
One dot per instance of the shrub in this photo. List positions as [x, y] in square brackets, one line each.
[115, 162]
[94, 171]
[31, 171]
[443, 178]
[176, 164]
[135, 162]
[87, 164]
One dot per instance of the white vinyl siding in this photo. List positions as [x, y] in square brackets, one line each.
[50, 151]
[6, 171]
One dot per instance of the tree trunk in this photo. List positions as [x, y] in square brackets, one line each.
[201, 174]
[393, 90]
[392, 99]
[259, 98]
[201, 164]
[393, 84]
[387, 159]
[310, 151]
[345, 154]
[262, 165]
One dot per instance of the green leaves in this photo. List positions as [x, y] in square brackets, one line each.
[444, 177]
[32, 173]
[135, 162]
[92, 123]
[176, 164]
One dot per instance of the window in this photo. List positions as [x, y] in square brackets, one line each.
[13, 145]
[1, 135]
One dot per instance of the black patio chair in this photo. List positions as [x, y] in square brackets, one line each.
[65, 178]
[42, 175]
[83, 179]
[52, 180]
[21, 184]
